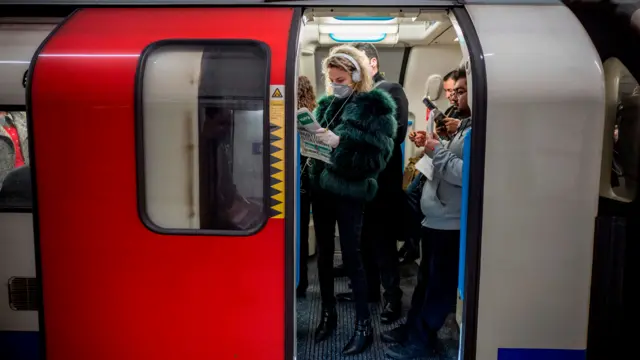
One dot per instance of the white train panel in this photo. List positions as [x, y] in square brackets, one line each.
[543, 148]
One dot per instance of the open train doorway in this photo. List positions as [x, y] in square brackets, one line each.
[419, 50]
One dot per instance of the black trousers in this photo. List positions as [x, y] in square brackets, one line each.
[379, 249]
[305, 217]
[327, 209]
[435, 295]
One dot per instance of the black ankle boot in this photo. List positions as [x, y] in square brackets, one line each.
[328, 322]
[361, 339]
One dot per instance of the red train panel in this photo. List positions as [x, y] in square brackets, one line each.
[113, 289]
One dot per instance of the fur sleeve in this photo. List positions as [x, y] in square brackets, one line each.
[367, 135]
[321, 109]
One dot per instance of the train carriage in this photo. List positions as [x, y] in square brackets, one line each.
[161, 217]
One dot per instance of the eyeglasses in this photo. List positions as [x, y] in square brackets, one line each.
[459, 92]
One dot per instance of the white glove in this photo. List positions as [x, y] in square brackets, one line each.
[329, 137]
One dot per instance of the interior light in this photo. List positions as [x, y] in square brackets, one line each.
[456, 39]
[360, 20]
[349, 37]
[358, 29]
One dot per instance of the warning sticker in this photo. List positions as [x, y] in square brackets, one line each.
[276, 105]
[277, 149]
[276, 93]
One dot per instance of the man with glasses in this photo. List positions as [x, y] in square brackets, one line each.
[441, 200]
[410, 250]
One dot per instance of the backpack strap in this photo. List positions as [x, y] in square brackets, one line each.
[378, 83]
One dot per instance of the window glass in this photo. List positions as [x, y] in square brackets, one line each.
[15, 176]
[203, 131]
[626, 136]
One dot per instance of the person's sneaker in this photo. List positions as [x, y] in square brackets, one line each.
[395, 335]
[408, 351]
[392, 311]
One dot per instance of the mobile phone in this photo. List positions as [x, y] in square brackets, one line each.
[438, 116]
[429, 104]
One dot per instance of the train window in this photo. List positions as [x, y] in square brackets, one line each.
[15, 177]
[622, 131]
[204, 135]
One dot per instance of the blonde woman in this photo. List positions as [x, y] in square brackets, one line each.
[359, 124]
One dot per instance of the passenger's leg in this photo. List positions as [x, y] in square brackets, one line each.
[369, 244]
[443, 290]
[399, 334]
[305, 217]
[349, 213]
[386, 251]
[440, 296]
[368, 250]
[412, 218]
[324, 219]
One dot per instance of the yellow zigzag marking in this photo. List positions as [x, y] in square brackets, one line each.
[279, 186]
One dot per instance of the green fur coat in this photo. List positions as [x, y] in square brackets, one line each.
[367, 129]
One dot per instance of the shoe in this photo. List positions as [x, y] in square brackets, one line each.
[328, 323]
[339, 271]
[408, 351]
[392, 311]
[396, 335]
[361, 340]
[348, 297]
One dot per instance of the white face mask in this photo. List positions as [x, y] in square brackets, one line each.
[341, 90]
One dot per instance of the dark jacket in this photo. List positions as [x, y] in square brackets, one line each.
[367, 128]
[390, 179]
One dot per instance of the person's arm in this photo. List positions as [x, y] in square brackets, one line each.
[448, 165]
[402, 111]
[445, 163]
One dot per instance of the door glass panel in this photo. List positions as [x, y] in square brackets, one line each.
[15, 176]
[203, 131]
[624, 95]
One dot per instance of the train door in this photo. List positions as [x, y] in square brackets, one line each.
[615, 31]
[530, 275]
[160, 159]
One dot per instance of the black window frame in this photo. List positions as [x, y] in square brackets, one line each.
[139, 136]
[9, 208]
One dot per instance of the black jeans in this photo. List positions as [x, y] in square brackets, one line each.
[305, 217]
[379, 249]
[327, 209]
[435, 295]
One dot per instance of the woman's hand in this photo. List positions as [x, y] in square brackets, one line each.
[329, 137]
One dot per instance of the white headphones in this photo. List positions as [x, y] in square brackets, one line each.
[356, 75]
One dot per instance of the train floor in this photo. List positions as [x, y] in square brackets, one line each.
[308, 312]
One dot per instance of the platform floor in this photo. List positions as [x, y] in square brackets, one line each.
[308, 312]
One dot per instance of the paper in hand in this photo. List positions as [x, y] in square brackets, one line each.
[425, 166]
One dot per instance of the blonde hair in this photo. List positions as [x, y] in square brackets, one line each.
[306, 95]
[366, 80]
